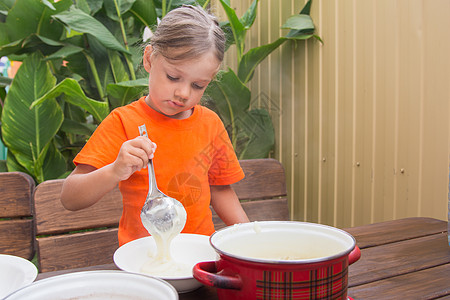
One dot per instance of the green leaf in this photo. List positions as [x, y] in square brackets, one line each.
[117, 67]
[83, 5]
[2, 98]
[48, 41]
[13, 166]
[35, 127]
[5, 81]
[6, 5]
[226, 27]
[124, 92]
[254, 57]
[299, 22]
[71, 126]
[256, 136]
[94, 6]
[145, 12]
[231, 97]
[250, 15]
[111, 11]
[301, 25]
[3, 167]
[237, 28]
[65, 51]
[4, 38]
[54, 164]
[48, 4]
[13, 47]
[27, 17]
[77, 20]
[74, 95]
[306, 10]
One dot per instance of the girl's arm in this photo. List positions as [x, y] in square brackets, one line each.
[227, 206]
[87, 184]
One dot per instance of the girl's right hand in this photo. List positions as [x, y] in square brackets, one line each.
[133, 155]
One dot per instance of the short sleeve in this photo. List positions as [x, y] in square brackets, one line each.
[225, 168]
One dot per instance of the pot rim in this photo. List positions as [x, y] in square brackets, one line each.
[285, 262]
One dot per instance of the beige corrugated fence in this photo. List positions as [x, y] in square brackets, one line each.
[361, 121]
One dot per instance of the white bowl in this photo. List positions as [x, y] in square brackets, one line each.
[186, 248]
[15, 273]
[96, 285]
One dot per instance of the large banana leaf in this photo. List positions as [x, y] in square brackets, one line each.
[145, 11]
[254, 57]
[79, 21]
[30, 16]
[230, 96]
[74, 95]
[28, 132]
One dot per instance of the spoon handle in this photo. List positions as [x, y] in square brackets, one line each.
[152, 187]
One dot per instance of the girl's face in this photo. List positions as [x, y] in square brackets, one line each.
[175, 87]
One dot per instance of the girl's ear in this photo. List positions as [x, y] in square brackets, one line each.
[147, 56]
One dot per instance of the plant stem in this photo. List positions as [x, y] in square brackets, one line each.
[233, 124]
[95, 74]
[125, 41]
[206, 4]
[164, 9]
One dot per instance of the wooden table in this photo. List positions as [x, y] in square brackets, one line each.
[401, 259]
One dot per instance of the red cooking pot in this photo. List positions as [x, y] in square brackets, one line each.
[279, 260]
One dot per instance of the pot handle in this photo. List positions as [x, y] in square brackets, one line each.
[206, 273]
[354, 255]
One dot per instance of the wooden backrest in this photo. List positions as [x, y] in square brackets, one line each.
[16, 216]
[71, 239]
[262, 192]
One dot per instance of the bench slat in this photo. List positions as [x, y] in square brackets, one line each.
[264, 179]
[16, 238]
[16, 189]
[77, 250]
[52, 217]
[16, 223]
[260, 210]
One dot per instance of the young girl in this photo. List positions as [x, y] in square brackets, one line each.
[195, 162]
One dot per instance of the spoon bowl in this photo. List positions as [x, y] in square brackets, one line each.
[161, 214]
[164, 217]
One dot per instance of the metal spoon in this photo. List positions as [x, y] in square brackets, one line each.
[164, 217]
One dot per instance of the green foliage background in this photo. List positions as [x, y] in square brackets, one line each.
[82, 58]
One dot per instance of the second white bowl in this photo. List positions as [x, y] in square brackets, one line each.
[186, 248]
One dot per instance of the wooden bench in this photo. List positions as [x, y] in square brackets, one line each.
[16, 215]
[61, 246]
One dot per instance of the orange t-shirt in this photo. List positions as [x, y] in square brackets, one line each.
[191, 155]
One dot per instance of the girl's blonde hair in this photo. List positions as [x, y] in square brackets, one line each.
[191, 30]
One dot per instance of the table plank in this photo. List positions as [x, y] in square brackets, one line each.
[428, 284]
[399, 258]
[394, 231]
[204, 293]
